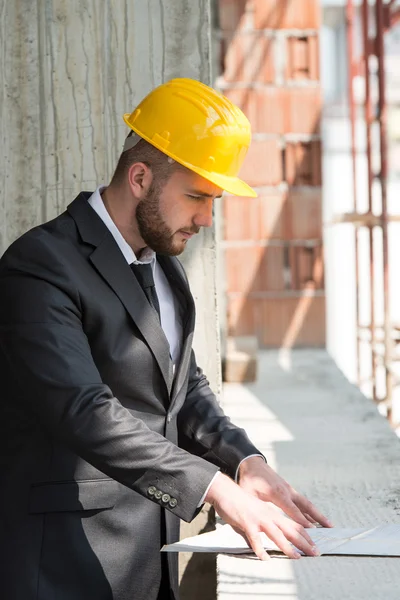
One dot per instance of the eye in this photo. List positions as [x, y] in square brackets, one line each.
[195, 197]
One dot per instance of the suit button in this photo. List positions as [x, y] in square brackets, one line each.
[158, 494]
[173, 502]
[169, 418]
[152, 490]
[166, 498]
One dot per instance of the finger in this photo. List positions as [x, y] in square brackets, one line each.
[254, 541]
[276, 535]
[313, 523]
[244, 536]
[294, 512]
[298, 529]
[294, 528]
[313, 514]
[299, 538]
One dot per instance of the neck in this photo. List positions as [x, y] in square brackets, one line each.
[121, 207]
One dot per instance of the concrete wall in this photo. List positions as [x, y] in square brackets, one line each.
[70, 70]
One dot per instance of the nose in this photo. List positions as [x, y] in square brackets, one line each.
[204, 217]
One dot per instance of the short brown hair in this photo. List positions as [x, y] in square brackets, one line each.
[161, 166]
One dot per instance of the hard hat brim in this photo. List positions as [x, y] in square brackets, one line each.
[233, 185]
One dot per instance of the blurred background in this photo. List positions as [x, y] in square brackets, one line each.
[312, 261]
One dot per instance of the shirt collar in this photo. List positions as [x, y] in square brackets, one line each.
[96, 202]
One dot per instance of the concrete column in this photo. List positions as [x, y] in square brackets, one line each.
[20, 131]
[70, 70]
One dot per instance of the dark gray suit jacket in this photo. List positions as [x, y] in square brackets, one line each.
[97, 437]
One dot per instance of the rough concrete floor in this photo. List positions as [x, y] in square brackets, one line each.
[329, 442]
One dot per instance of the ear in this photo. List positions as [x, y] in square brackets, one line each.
[139, 179]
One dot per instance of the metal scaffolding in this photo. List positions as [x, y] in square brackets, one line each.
[377, 17]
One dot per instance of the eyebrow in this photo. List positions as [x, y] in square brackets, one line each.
[203, 194]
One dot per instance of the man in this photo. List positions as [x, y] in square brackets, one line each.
[110, 432]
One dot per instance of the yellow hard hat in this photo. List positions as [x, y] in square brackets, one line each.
[197, 127]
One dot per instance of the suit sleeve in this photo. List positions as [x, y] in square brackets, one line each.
[206, 431]
[44, 347]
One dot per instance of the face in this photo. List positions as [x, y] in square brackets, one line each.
[173, 212]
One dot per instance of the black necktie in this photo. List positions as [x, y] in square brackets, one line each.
[144, 275]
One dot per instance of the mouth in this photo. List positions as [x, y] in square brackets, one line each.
[187, 234]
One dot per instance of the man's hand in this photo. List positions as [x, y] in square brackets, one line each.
[258, 479]
[249, 516]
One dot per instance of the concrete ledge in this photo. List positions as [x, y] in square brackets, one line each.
[329, 441]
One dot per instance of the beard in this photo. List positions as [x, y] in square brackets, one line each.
[153, 228]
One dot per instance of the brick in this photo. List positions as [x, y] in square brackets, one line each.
[271, 271]
[272, 219]
[318, 268]
[240, 219]
[306, 267]
[262, 269]
[290, 322]
[280, 322]
[283, 322]
[261, 218]
[238, 367]
[280, 110]
[241, 269]
[263, 163]
[302, 58]
[234, 14]
[249, 57]
[240, 361]
[265, 108]
[296, 215]
[254, 269]
[303, 110]
[287, 14]
[304, 214]
[270, 114]
[303, 163]
[240, 316]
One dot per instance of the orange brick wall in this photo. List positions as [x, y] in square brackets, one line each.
[273, 243]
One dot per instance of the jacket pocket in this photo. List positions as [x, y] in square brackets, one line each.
[64, 496]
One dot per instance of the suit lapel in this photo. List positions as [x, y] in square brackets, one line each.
[112, 266]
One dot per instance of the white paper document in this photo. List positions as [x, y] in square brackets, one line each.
[383, 540]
